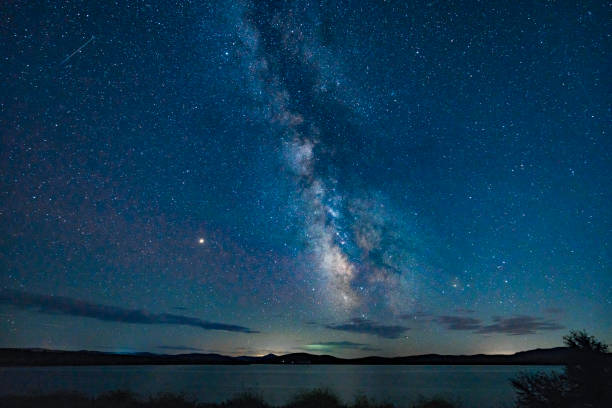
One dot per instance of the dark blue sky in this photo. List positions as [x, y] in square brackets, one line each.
[342, 177]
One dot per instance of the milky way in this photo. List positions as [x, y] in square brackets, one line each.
[354, 245]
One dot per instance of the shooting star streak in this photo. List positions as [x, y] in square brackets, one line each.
[77, 50]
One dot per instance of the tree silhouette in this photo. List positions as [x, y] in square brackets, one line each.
[586, 380]
[580, 340]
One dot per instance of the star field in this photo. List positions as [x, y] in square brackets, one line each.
[343, 177]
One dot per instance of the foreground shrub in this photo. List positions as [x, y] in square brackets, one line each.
[169, 400]
[119, 399]
[245, 400]
[365, 402]
[319, 398]
[585, 382]
[55, 400]
[436, 402]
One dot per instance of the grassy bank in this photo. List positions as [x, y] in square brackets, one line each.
[124, 399]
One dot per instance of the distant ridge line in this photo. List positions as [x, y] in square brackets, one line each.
[44, 357]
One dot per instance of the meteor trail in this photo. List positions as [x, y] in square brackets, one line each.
[77, 50]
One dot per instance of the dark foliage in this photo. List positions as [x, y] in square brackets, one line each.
[585, 382]
[125, 399]
[541, 390]
[580, 340]
[246, 400]
[316, 398]
[436, 402]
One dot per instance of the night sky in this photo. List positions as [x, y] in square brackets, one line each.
[340, 177]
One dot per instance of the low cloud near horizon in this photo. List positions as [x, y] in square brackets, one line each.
[459, 322]
[360, 325]
[514, 325]
[79, 308]
[519, 325]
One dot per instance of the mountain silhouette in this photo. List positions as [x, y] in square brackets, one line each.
[43, 357]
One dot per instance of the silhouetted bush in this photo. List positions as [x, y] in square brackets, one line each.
[541, 390]
[319, 398]
[585, 382]
[167, 400]
[364, 402]
[435, 402]
[55, 400]
[119, 399]
[245, 400]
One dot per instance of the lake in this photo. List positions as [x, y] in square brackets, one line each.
[483, 386]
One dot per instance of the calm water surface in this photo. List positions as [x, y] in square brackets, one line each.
[482, 386]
